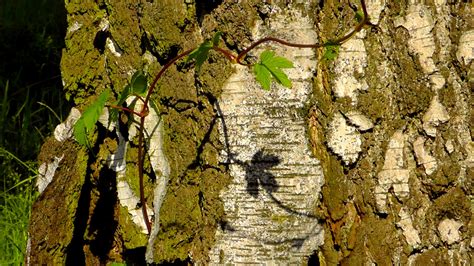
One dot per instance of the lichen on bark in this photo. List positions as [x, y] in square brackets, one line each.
[396, 188]
[114, 39]
[417, 96]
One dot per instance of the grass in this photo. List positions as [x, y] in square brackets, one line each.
[31, 105]
[14, 215]
[15, 207]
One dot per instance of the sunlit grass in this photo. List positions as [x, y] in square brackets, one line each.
[14, 215]
[15, 207]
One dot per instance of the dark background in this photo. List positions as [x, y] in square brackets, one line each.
[32, 101]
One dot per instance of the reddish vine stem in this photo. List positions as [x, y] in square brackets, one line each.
[271, 39]
[233, 58]
[141, 160]
[162, 71]
[141, 155]
[124, 109]
[339, 41]
[226, 53]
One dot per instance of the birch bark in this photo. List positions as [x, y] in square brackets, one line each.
[367, 159]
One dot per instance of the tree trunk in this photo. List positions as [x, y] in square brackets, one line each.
[368, 158]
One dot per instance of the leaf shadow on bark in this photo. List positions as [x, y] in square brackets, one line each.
[257, 171]
[258, 174]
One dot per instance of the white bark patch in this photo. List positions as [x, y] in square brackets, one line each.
[46, 173]
[465, 51]
[449, 231]
[442, 30]
[276, 180]
[374, 9]
[470, 154]
[65, 130]
[130, 200]
[125, 194]
[394, 173]
[419, 22]
[154, 135]
[437, 81]
[423, 157]
[352, 59]
[113, 47]
[435, 115]
[154, 147]
[449, 145]
[362, 122]
[116, 161]
[406, 224]
[344, 139]
[74, 27]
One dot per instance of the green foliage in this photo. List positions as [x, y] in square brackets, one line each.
[118, 264]
[216, 38]
[14, 215]
[9, 169]
[359, 16]
[201, 53]
[15, 205]
[138, 85]
[331, 51]
[270, 66]
[86, 123]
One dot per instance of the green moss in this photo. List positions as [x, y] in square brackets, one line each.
[375, 102]
[131, 233]
[438, 255]
[49, 212]
[335, 191]
[132, 174]
[377, 235]
[82, 81]
[447, 97]
[445, 176]
[180, 219]
[192, 208]
[455, 204]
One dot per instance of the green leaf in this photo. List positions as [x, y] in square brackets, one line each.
[122, 98]
[280, 77]
[266, 55]
[139, 83]
[331, 51]
[359, 16]
[270, 66]
[216, 38]
[86, 122]
[263, 76]
[200, 54]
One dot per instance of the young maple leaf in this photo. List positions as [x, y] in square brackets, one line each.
[201, 53]
[270, 66]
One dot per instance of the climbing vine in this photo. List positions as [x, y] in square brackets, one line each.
[270, 67]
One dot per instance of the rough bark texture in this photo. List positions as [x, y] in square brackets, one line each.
[367, 159]
[276, 181]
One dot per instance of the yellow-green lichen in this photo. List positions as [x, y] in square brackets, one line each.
[130, 233]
